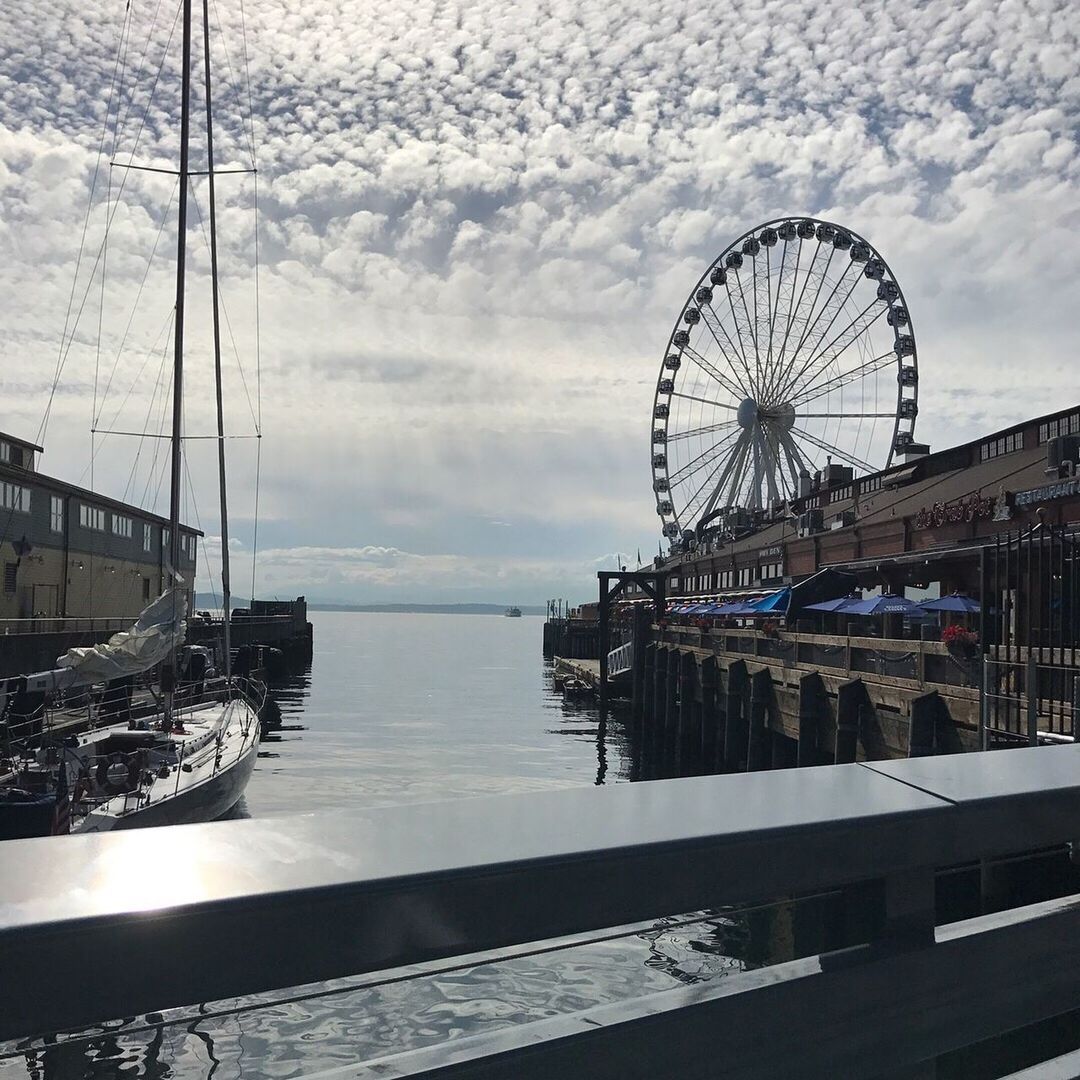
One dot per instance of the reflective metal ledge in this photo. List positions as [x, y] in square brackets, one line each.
[164, 917]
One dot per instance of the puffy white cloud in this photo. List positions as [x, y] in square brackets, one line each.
[479, 222]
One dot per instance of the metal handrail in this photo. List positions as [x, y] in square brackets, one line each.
[416, 883]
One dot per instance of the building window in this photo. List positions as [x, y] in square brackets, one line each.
[91, 517]
[771, 571]
[56, 513]
[121, 526]
[1004, 444]
[147, 537]
[10, 571]
[5, 453]
[745, 575]
[15, 497]
[146, 586]
[842, 493]
[1063, 425]
[723, 579]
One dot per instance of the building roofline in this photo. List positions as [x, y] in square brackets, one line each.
[24, 476]
[24, 443]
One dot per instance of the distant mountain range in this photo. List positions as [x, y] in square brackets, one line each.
[428, 609]
[205, 600]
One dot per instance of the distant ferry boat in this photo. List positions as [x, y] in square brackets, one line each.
[513, 613]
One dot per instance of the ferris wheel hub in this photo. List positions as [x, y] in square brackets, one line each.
[748, 413]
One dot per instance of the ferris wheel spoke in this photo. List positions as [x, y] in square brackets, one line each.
[707, 429]
[692, 502]
[703, 401]
[845, 415]
[818, 364]
[696, 508]
[751, 327]
[796, 463]
[743, 336]
[712, 322]
[851, 459]
[732, 477]
[686, 471]
[768, 466]
[796, 305]
[809, 333]
[837, 382]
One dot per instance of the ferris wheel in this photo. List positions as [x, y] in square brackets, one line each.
[795, 349]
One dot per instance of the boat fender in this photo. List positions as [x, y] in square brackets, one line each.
[116, 775]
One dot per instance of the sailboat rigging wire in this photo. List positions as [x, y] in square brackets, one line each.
[153, 398]
[224, 308]
[85, 226]
[248, 129]
[152, 351]
[67, 340]
[134, 307]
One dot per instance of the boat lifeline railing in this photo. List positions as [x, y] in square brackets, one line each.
[271, 904]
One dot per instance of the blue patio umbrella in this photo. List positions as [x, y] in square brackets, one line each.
[839, 604]
[775, 603]
[733, 607]
[953, 602]
[883, 605]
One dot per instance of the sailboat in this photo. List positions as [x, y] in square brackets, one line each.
[191, 760]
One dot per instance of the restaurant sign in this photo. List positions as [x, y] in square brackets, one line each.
[970, 509]
[1060, 490]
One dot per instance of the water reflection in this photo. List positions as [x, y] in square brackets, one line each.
[401, 709]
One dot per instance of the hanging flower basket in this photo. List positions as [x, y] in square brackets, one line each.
[960, 641]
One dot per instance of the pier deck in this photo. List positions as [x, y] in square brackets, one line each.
[588, 671]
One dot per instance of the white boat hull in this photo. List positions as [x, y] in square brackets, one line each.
[215, 755]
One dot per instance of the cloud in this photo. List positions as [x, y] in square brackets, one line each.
[478, 226]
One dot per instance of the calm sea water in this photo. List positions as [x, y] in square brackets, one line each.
[398, 709]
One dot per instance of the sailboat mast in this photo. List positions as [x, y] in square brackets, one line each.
[225, 590]
[178, 343]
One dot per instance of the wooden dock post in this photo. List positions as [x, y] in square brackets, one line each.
[736, 720]
[712, 734]
[641, 719]
[811, 693]
[688, 738]
[670, 728]
[640, 637]
[849, 703]
[922, 725]
[758, 749]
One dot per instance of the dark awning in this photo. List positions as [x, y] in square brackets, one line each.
[826, 584]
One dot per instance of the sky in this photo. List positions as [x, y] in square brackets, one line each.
[478, 223]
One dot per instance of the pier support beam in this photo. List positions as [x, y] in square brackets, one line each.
[670, 726]
[688, 736]
[653, 585]
[712, 729]
[850, 698]
[736, 720]
[923, 724]
[811, 708]
[759, 750]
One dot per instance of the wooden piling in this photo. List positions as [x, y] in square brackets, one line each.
[712, 733]
[687, 739]
[811, 695]
[850, 698]
[759, 750]
[922, 725]
[736, 719]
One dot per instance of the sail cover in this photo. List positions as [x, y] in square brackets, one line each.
[158, 631]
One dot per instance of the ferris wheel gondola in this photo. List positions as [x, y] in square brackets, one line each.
[795, 349]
